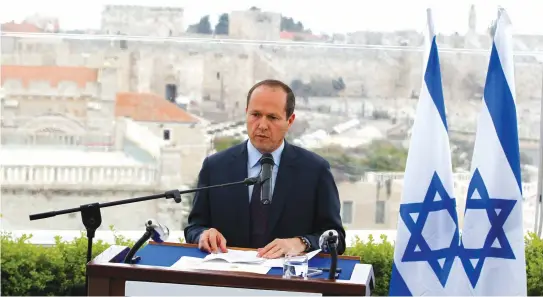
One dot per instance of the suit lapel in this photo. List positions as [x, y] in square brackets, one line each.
[238, 172]
[283, 185]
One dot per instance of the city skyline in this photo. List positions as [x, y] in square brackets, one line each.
[342, 17]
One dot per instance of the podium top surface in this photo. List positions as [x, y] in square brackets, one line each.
[108, 274]
[166, 254]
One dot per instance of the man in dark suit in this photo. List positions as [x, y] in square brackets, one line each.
[305, 201]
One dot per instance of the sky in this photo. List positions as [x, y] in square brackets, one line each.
[339, 16]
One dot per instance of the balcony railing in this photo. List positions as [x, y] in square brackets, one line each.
[90, 140]
[84, 177]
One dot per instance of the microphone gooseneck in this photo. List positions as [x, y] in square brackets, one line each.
[328, 243]
[154, 230]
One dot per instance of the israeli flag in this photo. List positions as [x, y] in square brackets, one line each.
[427, 237]
[492, 243]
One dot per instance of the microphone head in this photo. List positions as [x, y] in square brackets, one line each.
[323, 240]
[160, 232]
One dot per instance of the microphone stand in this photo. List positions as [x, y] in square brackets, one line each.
[92, 217]
[332, 245]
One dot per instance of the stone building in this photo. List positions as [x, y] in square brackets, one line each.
[254, 24]
[69, 137]
[69, 99]
[142, 20]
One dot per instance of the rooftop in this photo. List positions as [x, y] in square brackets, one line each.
[22, 27]
[51, 74]
[148, 107]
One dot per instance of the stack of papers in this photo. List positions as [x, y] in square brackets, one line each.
[250, 257]
[200, 264]
[236, 256]
[234, 260]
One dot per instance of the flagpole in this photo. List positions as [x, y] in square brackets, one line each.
[539, 203]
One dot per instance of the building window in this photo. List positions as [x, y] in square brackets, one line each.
[171, 92]
[347, 212]
[166, 134]
[379, 212]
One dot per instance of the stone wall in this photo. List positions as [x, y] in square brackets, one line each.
[254, 25]
[135, 20]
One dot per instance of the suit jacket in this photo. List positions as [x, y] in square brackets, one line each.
[305, 200]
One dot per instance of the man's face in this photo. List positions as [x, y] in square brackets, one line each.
[267, 121]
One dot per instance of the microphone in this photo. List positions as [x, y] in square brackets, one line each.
[328, 243]
[266, 178]
[153, 230]
[323, 240]
[159, 232]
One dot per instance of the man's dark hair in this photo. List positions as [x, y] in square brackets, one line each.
[291, 99]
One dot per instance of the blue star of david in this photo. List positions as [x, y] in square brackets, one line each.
[496, 230]
[424, 208]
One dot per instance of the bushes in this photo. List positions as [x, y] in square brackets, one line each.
[380, 255]
[29, 269]
[534, 265]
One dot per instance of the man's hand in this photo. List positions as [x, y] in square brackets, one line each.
[211, 241]
[280, 247]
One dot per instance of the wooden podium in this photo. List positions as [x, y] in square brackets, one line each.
[152, 276]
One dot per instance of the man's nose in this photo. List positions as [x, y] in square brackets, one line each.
[263, 123]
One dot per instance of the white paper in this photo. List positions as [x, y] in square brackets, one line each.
[250, 257]
[236, 256]
[200, 264]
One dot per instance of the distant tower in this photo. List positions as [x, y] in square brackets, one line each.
[472, 19]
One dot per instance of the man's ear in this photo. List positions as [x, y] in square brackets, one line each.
[291, 120]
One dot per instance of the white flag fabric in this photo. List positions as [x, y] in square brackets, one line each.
[492, 241]
[427, 236]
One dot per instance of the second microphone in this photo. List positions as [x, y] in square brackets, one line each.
[266, 178]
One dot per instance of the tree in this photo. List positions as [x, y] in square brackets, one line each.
[222, 25]
[222, 143]
[289, 25]
[341, 160]
[382, 155]
[202, 27]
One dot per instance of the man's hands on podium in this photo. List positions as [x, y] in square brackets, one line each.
[212, 241]
[280, 247]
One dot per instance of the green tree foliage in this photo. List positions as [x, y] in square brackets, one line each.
[222, 25]
[340, 159]
[379, 155]
[202, 27]
[290, 25]
[222, 143]
[385, 156]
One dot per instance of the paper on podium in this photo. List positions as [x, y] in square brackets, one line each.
[250, 257]
[236, 256]
[198, 263]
